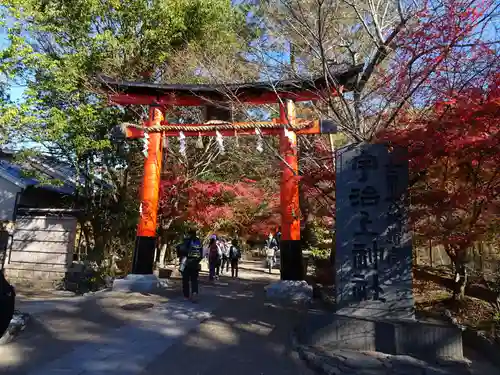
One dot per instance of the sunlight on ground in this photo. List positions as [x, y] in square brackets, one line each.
[237, 295]
[219, 332]
[36, 306]
[256, 328]
[204, 343]
[10, 355]
[277, 348]
[95, 320]
[212, 336]
[75, 330]
[172, 331]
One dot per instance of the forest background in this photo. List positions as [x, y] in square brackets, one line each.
[429, 75]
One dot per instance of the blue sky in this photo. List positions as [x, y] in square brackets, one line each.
[16, 90]
[16, 93]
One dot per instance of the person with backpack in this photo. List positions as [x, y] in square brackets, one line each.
[234, 258]
[272, 247]
[214, 256]
[278, 237]
[192, 254]
[271, 241]
[181, 248]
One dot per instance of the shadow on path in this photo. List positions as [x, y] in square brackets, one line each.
[246, 335]
[97, 336]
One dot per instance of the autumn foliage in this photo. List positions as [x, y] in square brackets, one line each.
[455, 163]
[242, 208]
[432, 57]
[434, 90]
[318, 182]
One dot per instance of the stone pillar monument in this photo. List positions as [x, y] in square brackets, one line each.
[373, 263]
[373, 242]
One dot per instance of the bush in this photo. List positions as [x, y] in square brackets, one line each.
[323, 268]
[319, 254]
[85, 279]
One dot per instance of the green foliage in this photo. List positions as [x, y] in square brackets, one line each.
[318, 253]
[496, 317]
[91, 279]
[58, 48]
[321, 247]
[124, 38]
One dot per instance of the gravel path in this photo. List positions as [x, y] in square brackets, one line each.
[245, 336]
[232, 330]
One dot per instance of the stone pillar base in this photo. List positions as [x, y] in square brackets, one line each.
[289, 291]
[137, 283]
[426, 340]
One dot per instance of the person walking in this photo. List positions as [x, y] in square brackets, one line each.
[234, 257]
[213, 258]
[272, 246]
[218, 262]
[278, 237]
[271, 241]
[192, 254]
[225, 247]
[181, 248]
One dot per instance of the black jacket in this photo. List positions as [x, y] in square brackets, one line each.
[7, 303]
[193, 251]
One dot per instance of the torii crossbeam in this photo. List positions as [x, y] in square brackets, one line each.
[287, 127]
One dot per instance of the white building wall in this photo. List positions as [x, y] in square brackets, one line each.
[8, 193]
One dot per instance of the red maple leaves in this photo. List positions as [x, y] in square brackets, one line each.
[457, 150]
[436, 55]
[241, 207]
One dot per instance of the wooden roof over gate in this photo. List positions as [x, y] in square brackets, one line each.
[135, 92]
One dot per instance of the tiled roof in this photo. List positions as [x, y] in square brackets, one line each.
[46, 166]
[17, 175]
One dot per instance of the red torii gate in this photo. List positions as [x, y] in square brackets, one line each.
[287, 127]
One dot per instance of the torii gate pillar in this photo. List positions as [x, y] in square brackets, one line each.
[290, 246]
[145, 243]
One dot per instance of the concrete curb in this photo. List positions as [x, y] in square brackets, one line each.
[312, 361]
[477, 341]
[97, 292]
[490, 350]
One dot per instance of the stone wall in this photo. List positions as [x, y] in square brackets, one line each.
[41, 249]
[422, 339]
[39, 274]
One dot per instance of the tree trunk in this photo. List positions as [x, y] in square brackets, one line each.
[431, 258]
[87, 238]
[460, 280]
[163, 253]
